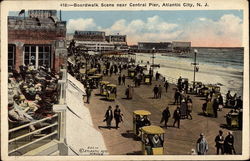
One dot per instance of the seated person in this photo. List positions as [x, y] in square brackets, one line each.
[229, 117]
[16, 115]
[137, 124]
[148, 145]
[157, 141]
[145, 121]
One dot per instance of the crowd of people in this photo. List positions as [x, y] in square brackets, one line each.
[224, 145]
[112, 65]
[32, 94]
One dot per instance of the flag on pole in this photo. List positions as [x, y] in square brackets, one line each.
[21, 12]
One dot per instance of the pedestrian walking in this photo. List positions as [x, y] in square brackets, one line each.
[202, 145]
[123, 79]
[176, 96]
[108, 117]
[216, 107]
[177, 117]
[151, 72]
[221, 103]
[156, 90]
[219, 143]
[229, 144]
[189, 107]
[166, 85]
[165, 116]
[129, 92]
[157, 75]
[117, 116]
[111, 71]
[159, 91]
[179, 83]
[204, 108]
[88, 94]
[119, 79]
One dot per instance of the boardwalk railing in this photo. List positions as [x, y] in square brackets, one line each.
[54, 132]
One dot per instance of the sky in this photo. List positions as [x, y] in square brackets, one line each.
[206, 28]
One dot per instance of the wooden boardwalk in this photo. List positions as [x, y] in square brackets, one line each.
[177, 141]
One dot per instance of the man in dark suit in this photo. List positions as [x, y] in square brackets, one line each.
[229, 144]
[156, 90]
[117, 116]
[108, 117]
[88, 93]
[119, 79]
[165, 116]
[219, 140]
[177, 117]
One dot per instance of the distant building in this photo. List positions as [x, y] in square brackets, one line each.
[97, 41]
[95, 45]
[133, 48]
[119, 41]
[89, 36]
[180, 46]
[157, 46]
[38, 39]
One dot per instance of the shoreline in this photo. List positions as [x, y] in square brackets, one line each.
[174, 68]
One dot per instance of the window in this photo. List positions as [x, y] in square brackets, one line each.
[11, 57]
[30, 55]
[44, 56]
[37, 55]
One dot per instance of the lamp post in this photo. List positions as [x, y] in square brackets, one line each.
[153, 60]
[194, 64]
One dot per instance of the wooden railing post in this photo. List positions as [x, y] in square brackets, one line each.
[62, 85]
[61, 111]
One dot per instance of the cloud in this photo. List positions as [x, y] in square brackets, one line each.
[226, 31]
[202, 31]
[80, 24]
[151, 29]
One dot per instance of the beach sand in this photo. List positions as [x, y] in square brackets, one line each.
[230, 78]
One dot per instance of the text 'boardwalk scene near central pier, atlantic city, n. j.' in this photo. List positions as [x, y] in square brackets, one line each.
[125, 83]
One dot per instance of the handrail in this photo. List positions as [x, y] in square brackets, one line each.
[32, 123]
[33, 132]
[25, 145]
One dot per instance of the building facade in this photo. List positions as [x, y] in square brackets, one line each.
[38, 39]
[98, 36]
[181, 46]
[97, 41]
[119, 41]
[157, 46]
[92, 40]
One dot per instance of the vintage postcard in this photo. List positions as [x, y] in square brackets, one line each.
[125, 80]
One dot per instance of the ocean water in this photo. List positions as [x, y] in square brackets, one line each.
[222, 66]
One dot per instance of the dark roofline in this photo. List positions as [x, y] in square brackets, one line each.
[89, 31]
[154, 42]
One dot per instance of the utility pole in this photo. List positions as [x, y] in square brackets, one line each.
[194, 64]
[60, 15]
[153, 60]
